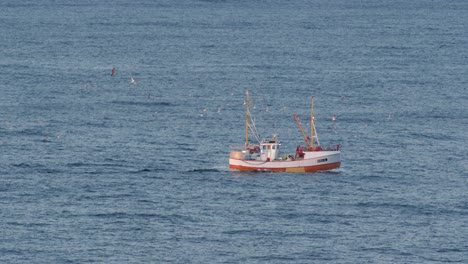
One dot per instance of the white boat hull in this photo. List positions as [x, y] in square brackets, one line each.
[312, 161]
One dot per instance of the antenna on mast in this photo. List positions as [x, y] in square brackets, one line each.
[247, 117]
[313, 131]
[312, 124]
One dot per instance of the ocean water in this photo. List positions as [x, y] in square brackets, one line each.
[95, 169]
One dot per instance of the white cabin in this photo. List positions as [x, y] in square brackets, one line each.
[269, 150]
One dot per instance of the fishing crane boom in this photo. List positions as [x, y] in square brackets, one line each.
[306, 138]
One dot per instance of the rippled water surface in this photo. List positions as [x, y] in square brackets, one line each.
[95, 169]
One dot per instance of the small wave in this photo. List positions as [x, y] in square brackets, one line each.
[385, 205]
[83, 164]
[29, 224]
[35, 166]
[49, 170]
[110, 215]
[146, 170]
[155, 24]
[24, 165]
[408, 208]
[22, 132]
[148, 201]
[76, 164]
[176, 218]
[132, 103]
[143, 170]
[185, 148]
[449, 250]
[207, 46]
[393, 47]
[432, 136]
[30, 132]
[337, 171]
[203, 170]
[238, 232]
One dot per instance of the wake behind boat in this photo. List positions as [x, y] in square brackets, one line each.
[265, 155]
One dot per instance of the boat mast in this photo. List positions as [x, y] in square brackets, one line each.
[247, 117]
[312, 124]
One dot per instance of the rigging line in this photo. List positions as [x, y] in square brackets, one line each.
[316, 135]
[253, 127]
[254, 133]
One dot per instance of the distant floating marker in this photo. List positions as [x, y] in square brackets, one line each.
[333, 118]
[113, 72]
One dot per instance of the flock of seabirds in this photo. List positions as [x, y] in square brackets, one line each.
[9, 126]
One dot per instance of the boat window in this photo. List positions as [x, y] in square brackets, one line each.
[273, 147]
[264, 147]
[269, 146]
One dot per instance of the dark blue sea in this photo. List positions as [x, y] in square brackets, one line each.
[94, 169]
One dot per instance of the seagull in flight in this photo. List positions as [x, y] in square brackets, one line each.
[132, 81]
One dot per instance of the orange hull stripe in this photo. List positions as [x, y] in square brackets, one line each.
[314, 168]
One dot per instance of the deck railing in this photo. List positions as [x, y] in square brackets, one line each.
[322, 148]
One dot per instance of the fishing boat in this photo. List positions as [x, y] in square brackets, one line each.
[265, 154]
